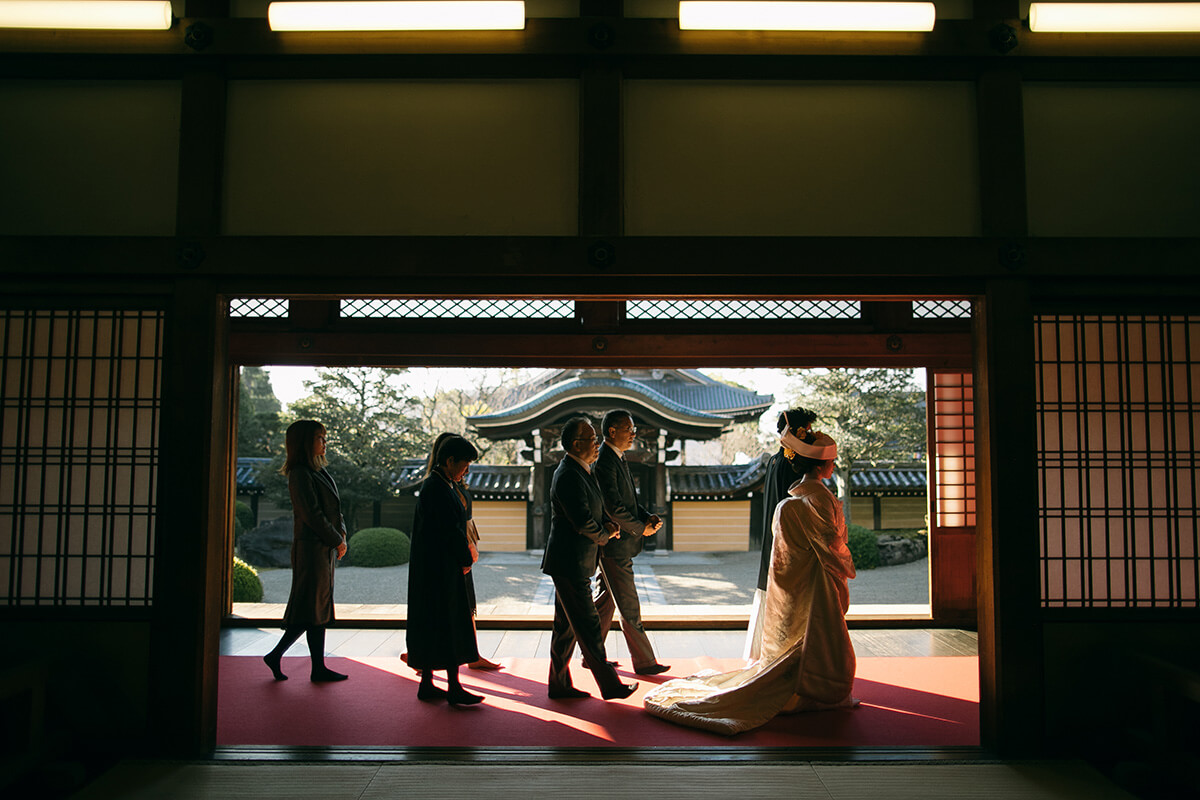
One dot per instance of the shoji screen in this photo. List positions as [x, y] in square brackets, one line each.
[1117, 425]
[80, 395]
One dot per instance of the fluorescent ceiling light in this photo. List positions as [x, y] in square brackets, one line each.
[1114, 17]
[779, 15]
[147, 15]
[404, 15]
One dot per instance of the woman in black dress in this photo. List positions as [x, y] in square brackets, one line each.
[441, 632]
[318, 539]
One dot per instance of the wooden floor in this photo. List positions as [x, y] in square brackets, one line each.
[500, 644]
[687, 779]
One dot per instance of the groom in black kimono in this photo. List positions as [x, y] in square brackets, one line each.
[577, 528]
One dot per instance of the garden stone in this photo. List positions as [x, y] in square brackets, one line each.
[269, 544]
[895, 550]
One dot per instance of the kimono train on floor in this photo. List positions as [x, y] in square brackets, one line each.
[807, 662]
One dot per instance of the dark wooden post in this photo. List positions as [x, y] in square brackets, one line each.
[1010, 633]
[194, 500]
[192, 553]
[601, 184]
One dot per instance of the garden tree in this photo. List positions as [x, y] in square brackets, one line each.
[260, 426]
[874, 414]
[745, 438]
[447, 409]
[373, 425]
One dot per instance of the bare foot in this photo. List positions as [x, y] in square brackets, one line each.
[483, 663]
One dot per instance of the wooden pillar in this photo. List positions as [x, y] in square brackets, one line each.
[201, 152]
[1010, 634]
[601, 183]
[192, 558]
[1008, 591]
[539, 518]
[665, 538]
[194, 501]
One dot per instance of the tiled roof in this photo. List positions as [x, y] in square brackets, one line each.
[583, 383]
[246, 474]
[497, 483]
[716, 482]
[486, 481]
[683, 390]
[708, 394]
[907, 479]
[727, 482]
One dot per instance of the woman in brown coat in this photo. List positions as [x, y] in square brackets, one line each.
[318, 538]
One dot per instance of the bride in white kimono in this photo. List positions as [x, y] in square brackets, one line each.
[806, 661]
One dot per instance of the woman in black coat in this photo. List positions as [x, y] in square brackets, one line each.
[318, 539]
[441, 632]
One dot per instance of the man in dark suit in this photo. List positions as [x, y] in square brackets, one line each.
[577, 528]
[617, 588]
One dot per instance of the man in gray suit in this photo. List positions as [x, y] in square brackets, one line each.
[617, 588]
[577, 528]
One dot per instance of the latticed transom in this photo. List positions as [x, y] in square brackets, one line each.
[258, 307]
[941, 309]
[743, 309]
[459, 309]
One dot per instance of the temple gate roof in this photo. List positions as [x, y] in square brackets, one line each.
[683, 402]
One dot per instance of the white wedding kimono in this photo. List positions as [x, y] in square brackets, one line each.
[806, 662]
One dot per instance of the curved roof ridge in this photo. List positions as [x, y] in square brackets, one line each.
[557, 389]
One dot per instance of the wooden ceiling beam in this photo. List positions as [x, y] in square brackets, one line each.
[587, 350]
[640, 266]
[624, 39]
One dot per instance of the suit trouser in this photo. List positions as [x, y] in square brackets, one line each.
[618, 591]
[576, 621]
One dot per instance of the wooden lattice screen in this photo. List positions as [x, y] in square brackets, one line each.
[951, 397]
[80, 398]
[953, 426]
[1117, 425]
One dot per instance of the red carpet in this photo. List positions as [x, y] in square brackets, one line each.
[905, 702]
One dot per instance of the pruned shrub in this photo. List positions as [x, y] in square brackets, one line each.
[244, 515]
[247, 586]
[377, 547]
[864, 547]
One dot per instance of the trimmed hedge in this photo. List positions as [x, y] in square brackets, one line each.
[864, 547]
[243, 519]
[247, 586]
[243, 514]
[377, 547]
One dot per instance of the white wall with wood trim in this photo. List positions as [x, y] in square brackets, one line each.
[904, 512]
[710, 526]
[501, 524]
[895, 512]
